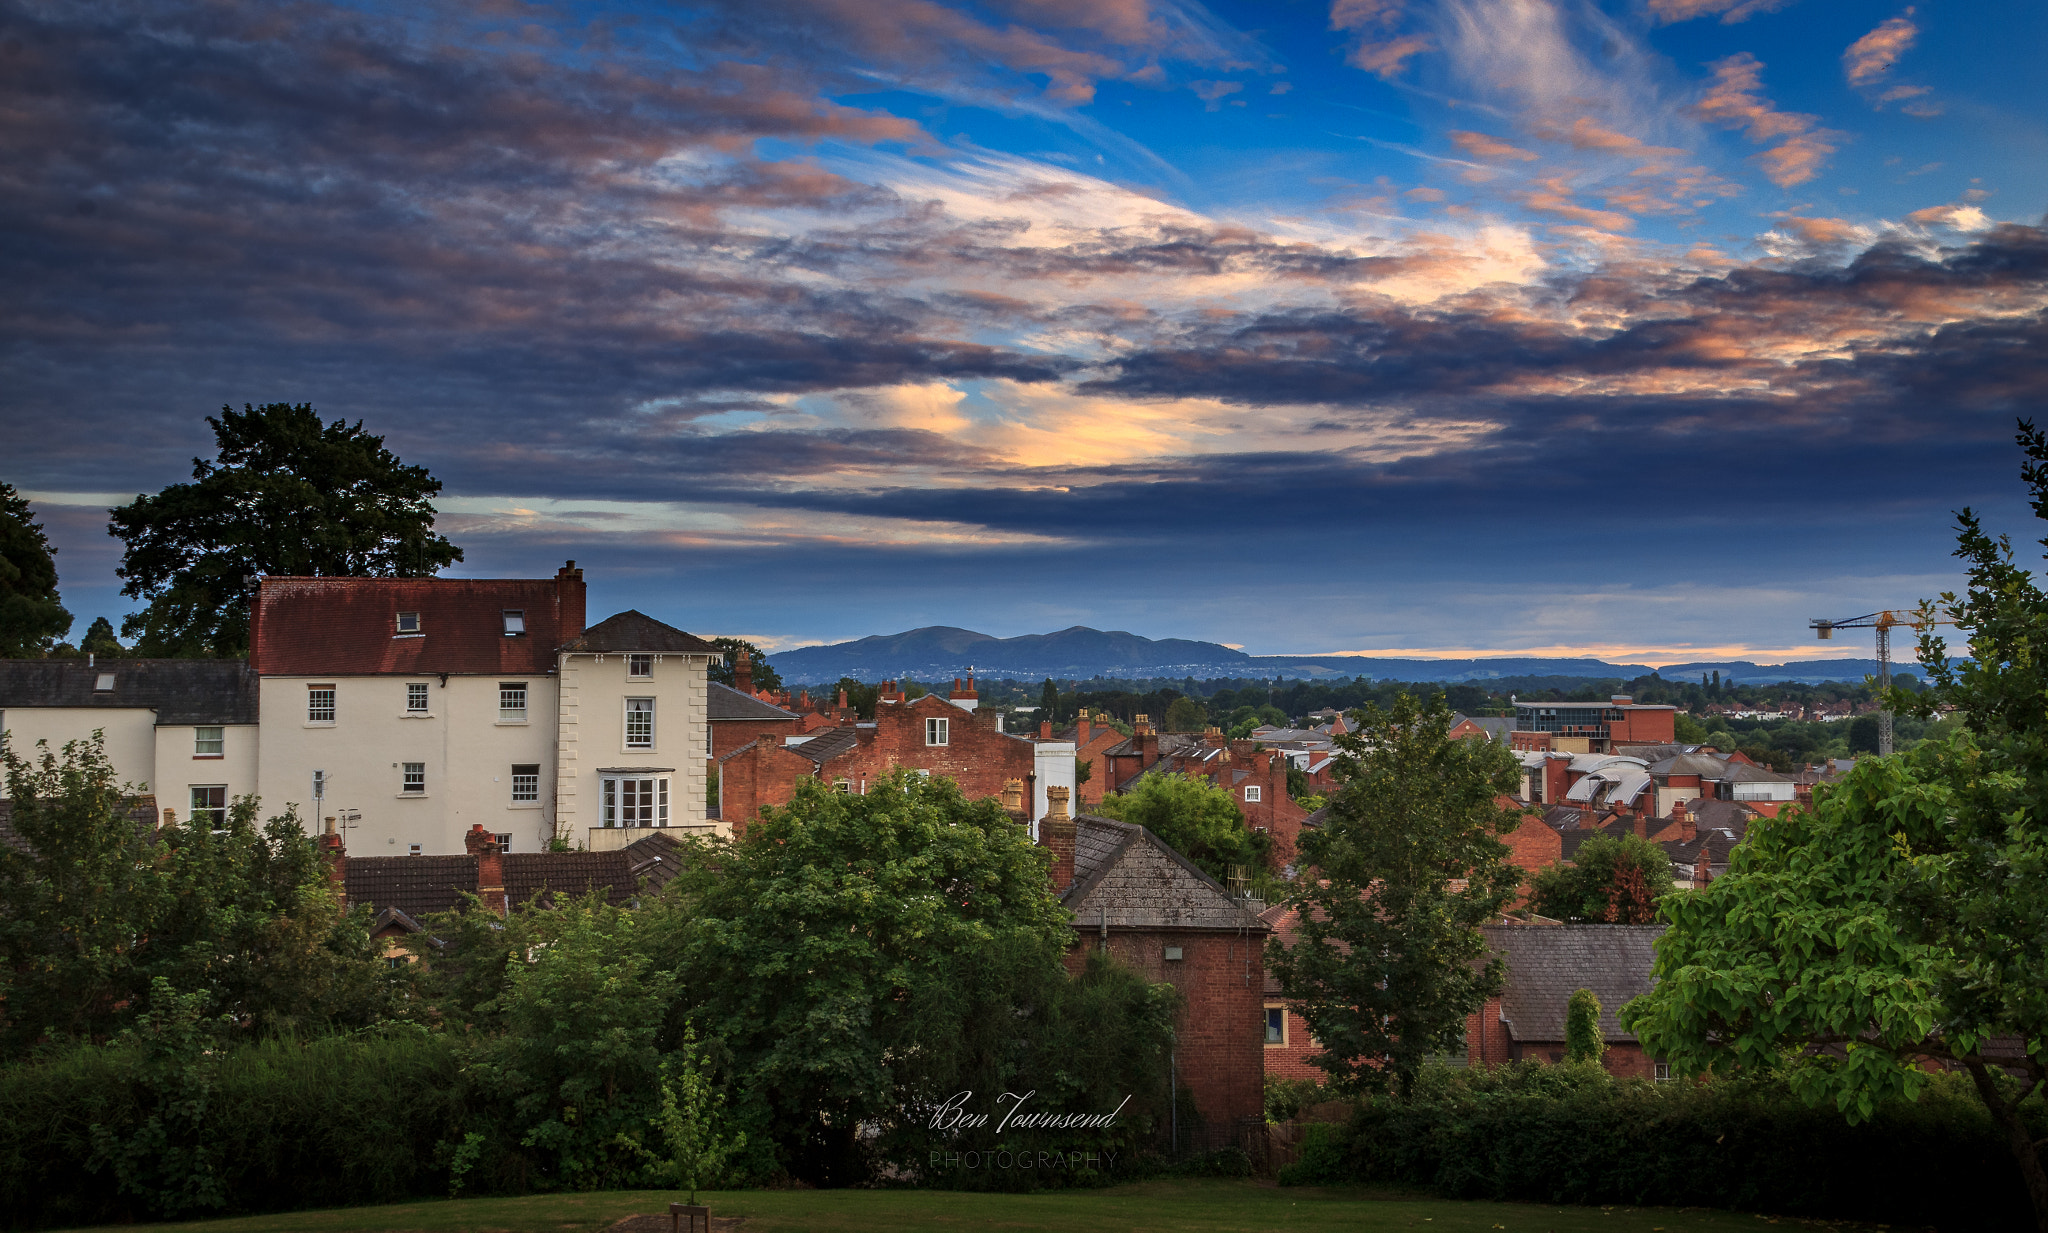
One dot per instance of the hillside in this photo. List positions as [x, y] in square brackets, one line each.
[939, 652]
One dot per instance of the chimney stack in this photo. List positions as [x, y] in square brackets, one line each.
[569, 597]
[964, 697]
[1045, 729]
[743, 673]
[1056, 830]
[1084, 727]
[335, 857]
[490, 867]
[1688, 827]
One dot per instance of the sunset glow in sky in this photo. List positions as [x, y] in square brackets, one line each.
[1646, 329]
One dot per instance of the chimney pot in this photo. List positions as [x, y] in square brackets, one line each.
[1056, 831]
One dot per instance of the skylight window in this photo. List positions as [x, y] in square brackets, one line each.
[103, 683]
[515, 622]
[408, 622]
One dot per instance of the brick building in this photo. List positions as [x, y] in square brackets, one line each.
[1093, 738]
[1153, 909]
[738, 719]
[1546, 965]
[1256, 778]
[1591, 727]
[935, 735]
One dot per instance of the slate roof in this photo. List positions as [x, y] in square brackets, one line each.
[1547, 964]
[419, 885]
[633, 630]
[827, 745]
[1496, 727]
[141, 810]
[348, 626]
[180, 691]
[1136, 881]
[725, 702]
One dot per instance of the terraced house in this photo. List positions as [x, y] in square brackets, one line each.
[410, 710]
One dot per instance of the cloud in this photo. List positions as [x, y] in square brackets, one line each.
[1479, 145]
[1375, 46]
[1214, 92]
[1957, 217]
[1799, 147]
[1731, 11]
[1870, 58]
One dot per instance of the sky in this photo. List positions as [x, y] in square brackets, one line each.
[1647, 329]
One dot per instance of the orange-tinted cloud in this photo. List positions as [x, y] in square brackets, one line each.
[1736, 100]
[1869, 58]
[1377, 49]
[1731, 11]
[1821, 230]
[1479, 145]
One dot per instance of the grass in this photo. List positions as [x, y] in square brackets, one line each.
[1205, 1206]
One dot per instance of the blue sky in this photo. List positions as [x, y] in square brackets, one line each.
[1645, 329]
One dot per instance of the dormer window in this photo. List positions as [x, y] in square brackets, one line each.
[103, 683]
[515, 622]
[408, 622]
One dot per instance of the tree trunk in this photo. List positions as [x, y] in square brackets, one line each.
[2007, 1115]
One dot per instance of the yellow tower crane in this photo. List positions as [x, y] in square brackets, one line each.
[1883, 622]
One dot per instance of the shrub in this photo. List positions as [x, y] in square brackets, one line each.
[1582, 1039]
[1575, 1134]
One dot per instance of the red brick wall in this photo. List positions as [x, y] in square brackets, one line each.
[1291, 1060]
[1649, 727]
[978, 758]
[1486, 1037]
[1221, 1026]
[763, 774]
[1100, 738]
[730, 734]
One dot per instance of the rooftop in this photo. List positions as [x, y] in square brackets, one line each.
[633, 630]
[351, 626]
[180, 691]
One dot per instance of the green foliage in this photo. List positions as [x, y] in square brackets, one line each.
[31, 619]
[1185, 715]
[1613, 879]
[286, 494]
[724, 671]
[579, 1061]
[1905, 915]
[1049, 701]
[1195, 817]
[1863, 735]
[1286, 1098]
[153, 1123]
[99, 640]
[853, 952]
[1582, 1039]
[99, 911]
[692, 1111]
[1390, 960]
[1575, 1134]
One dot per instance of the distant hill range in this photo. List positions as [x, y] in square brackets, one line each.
[941, 652]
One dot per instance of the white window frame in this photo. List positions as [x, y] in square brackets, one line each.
[504, 841]
[633, 802]
[319, 712]
[200, 741]
[410, 773]
[1252, 794]
[645, 740]
[509, 692]
[103, 683]
[217, 814]
[519, 773]
[415, 697]
[937, 731]
[406, 623]
[639, 667]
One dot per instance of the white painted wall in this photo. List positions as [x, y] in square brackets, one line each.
[591, 735]
[1054, 766]
[178, 768]
[468, 752]
[130, 734]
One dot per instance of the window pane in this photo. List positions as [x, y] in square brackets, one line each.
[210, 806]
[611, 802]
[526, 782]
[640, 723]
[206, 741]
[320, 704]
[515, 622]
[408, 622]
[416, 696]
[415, 777]
[512, 701]
[640, 665]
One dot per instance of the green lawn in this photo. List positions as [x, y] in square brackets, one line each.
[1164, 1205]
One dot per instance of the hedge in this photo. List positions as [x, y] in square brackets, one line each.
[1575, 1134]
[323, 1123]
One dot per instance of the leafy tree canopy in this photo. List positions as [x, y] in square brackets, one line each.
[855, 953]
[100, 909]
[1905, 915]
[1389, 959]
[1613, 879]
[100, 640]
[286, 495]
[725, 671]
[1196, 819]
[1185, 715]
[31, 619]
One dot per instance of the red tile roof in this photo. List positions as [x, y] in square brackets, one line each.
[348, 626]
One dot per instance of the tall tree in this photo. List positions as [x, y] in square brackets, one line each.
[1613, 879]
[99, 640]
[30, 616]
[723, 671]
[1389, 960]
[287, 494]
[1905, 915]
